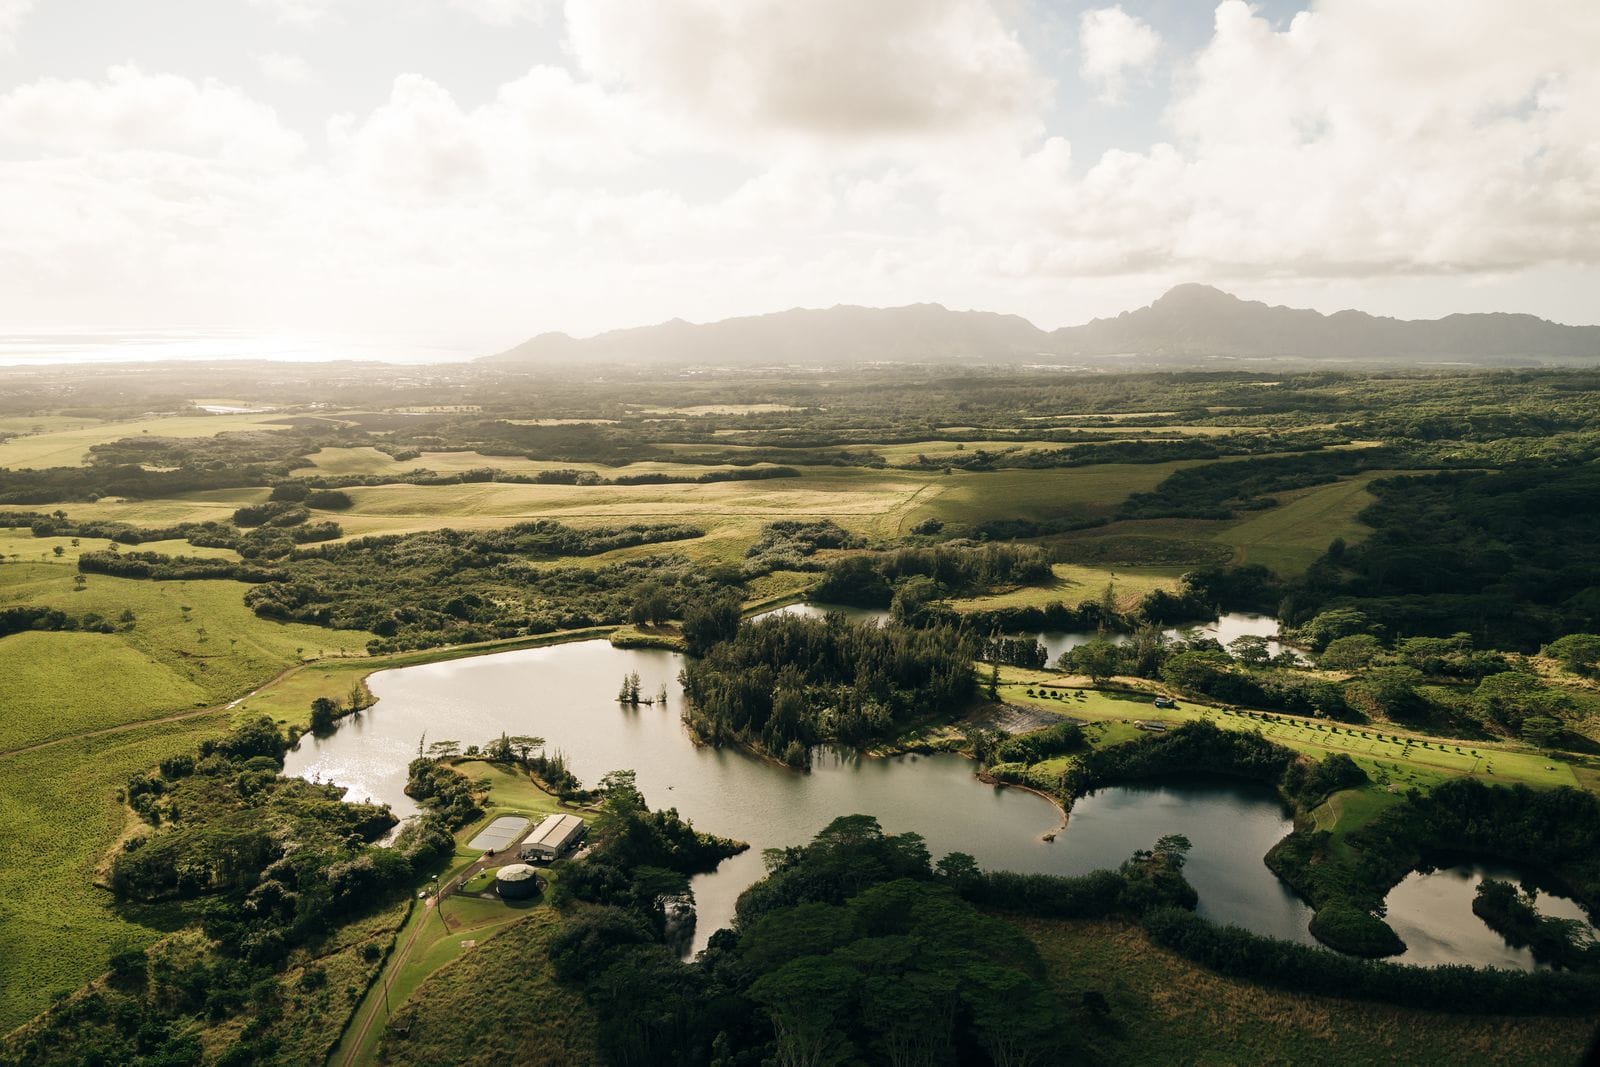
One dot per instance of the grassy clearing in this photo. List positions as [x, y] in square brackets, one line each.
[511, 792]
[191, 644]
[869, 502]
[68, 446]
[19, 545]
[1291, 536]
[1075, 583]
[365, 461]
[1164, 1008]
[1086, 492]
[214, 505]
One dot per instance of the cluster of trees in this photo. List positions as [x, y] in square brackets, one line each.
[22, 618]
[1511, 912]
[921, 575]
[1013, 651]
[440, 788]
[448, 587]
[1509, 555]
[790, 544]
[1198, 746]
[788, 682]
[853, 948]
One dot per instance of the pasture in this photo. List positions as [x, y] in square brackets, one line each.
[189, 644]
[1291, 536]
[68, 446]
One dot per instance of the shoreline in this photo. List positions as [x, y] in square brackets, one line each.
[1055, 802]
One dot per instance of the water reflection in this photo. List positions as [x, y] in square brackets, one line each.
[1433, 915]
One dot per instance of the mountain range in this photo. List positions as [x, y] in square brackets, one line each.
[1188, 324]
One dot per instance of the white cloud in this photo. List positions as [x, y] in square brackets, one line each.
[505, 12]
[704, 159]
[301, 13]
[286, 69]
[12, 14]
[1114, 47]
[826, 68]
[134, 111]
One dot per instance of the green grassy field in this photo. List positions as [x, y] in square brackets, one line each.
[1167, 1010]
[1290, 537]
[59, 815]
[1087, 492]
[68, 445]
[191, 644]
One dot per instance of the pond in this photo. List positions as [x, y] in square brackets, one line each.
[567, 694]
[1432, 913]
[1223, 628]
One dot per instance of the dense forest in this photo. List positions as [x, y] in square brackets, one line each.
[785, 683]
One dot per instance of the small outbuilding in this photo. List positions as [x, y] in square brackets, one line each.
[552, 838]
[516, 881]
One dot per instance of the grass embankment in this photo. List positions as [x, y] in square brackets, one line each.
[1165, 1009]
[497, 1003]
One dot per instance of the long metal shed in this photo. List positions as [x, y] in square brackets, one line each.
[553, 837]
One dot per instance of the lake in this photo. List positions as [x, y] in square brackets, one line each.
[567, 694]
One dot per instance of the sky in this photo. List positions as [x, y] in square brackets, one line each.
[469, 173]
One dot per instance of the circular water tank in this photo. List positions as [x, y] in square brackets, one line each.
[516, 881]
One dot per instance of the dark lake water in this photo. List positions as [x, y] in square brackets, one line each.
[566, 694]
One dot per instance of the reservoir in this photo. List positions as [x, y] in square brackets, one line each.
[567, 695]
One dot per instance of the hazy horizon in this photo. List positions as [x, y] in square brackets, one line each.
[476, 172]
